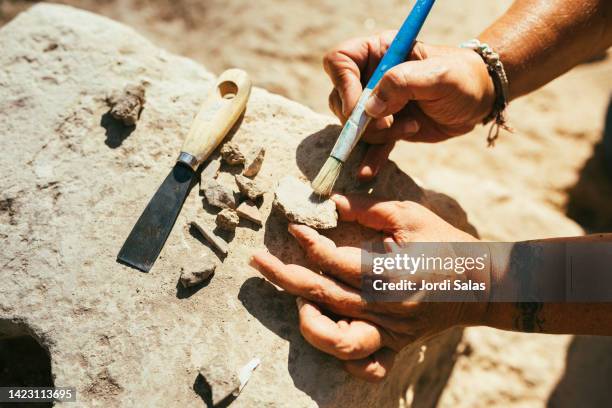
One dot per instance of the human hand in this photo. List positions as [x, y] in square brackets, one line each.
[441, 92]
[368, 335]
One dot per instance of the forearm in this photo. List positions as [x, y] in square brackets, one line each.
[548, 278]
[553, 318]
[539, 40]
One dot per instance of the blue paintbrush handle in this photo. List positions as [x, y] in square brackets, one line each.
[397, 53]
[402, 44]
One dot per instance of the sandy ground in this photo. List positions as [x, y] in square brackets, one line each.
[551, 160]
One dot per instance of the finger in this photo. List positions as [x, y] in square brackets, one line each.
[352, 340]
[335, 105]
[387, 216]
[373, 368]
[377, 126]
[390, 245]
[375, 157]
[431, 131]
[343, 65]
[413, 80]
[353, 61]
[300, 281]
[402, 129]
[343, 263]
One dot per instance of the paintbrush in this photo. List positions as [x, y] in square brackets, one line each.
[397, 53]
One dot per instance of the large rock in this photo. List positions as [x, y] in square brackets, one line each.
[74, 182]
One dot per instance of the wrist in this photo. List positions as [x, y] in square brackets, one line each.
[497, 73]
[486, 87]
[500, 254]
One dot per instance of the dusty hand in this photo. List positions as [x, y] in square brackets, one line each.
[440, 93]
[370, 335]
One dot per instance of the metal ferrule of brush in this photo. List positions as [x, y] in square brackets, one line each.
[353, 129]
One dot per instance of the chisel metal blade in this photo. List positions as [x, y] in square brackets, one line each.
[149, 235]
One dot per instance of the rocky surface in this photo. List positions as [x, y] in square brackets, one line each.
[209, 171]
[77, 183]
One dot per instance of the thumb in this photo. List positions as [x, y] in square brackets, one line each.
[413, 80]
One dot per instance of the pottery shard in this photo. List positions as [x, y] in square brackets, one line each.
[217, 194]
[223, 381]
[192, 278]
[249, 188]
[219, 243]
[231, 153]
[301, 205]
[227, 219]
[126, 107]
[249, 211]
[253, 161]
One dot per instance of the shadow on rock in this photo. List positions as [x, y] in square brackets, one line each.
[590, 198]
[204, 390]
[586, 380]
[277, 311]
[116, 130]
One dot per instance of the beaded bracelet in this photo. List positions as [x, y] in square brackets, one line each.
[496, 70]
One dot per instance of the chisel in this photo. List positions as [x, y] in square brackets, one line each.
[223, 106]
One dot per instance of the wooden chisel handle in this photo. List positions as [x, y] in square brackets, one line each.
[220, 111]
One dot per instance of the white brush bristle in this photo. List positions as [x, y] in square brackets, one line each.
[323, 184]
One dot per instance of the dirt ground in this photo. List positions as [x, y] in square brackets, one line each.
[553, 159]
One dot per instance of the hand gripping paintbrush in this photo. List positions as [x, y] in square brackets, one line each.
[358, 120]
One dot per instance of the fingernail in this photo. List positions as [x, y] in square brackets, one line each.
[375, 106]
[335, 197]
[411, 126]
[366, 173]
[384, 123]
[299, 301]
[291, 228]
[253, 263]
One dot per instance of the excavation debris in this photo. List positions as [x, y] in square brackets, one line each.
[217, 194]
[127, 106]
[231, 153]
[253, 161]
[219, 243]
[301, 205]
[192, 278]
[249, 211]
[225, 382]
[248, 187]
[210, 171]
[227, 219]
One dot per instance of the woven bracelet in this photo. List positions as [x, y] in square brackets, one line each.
[496, 70]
